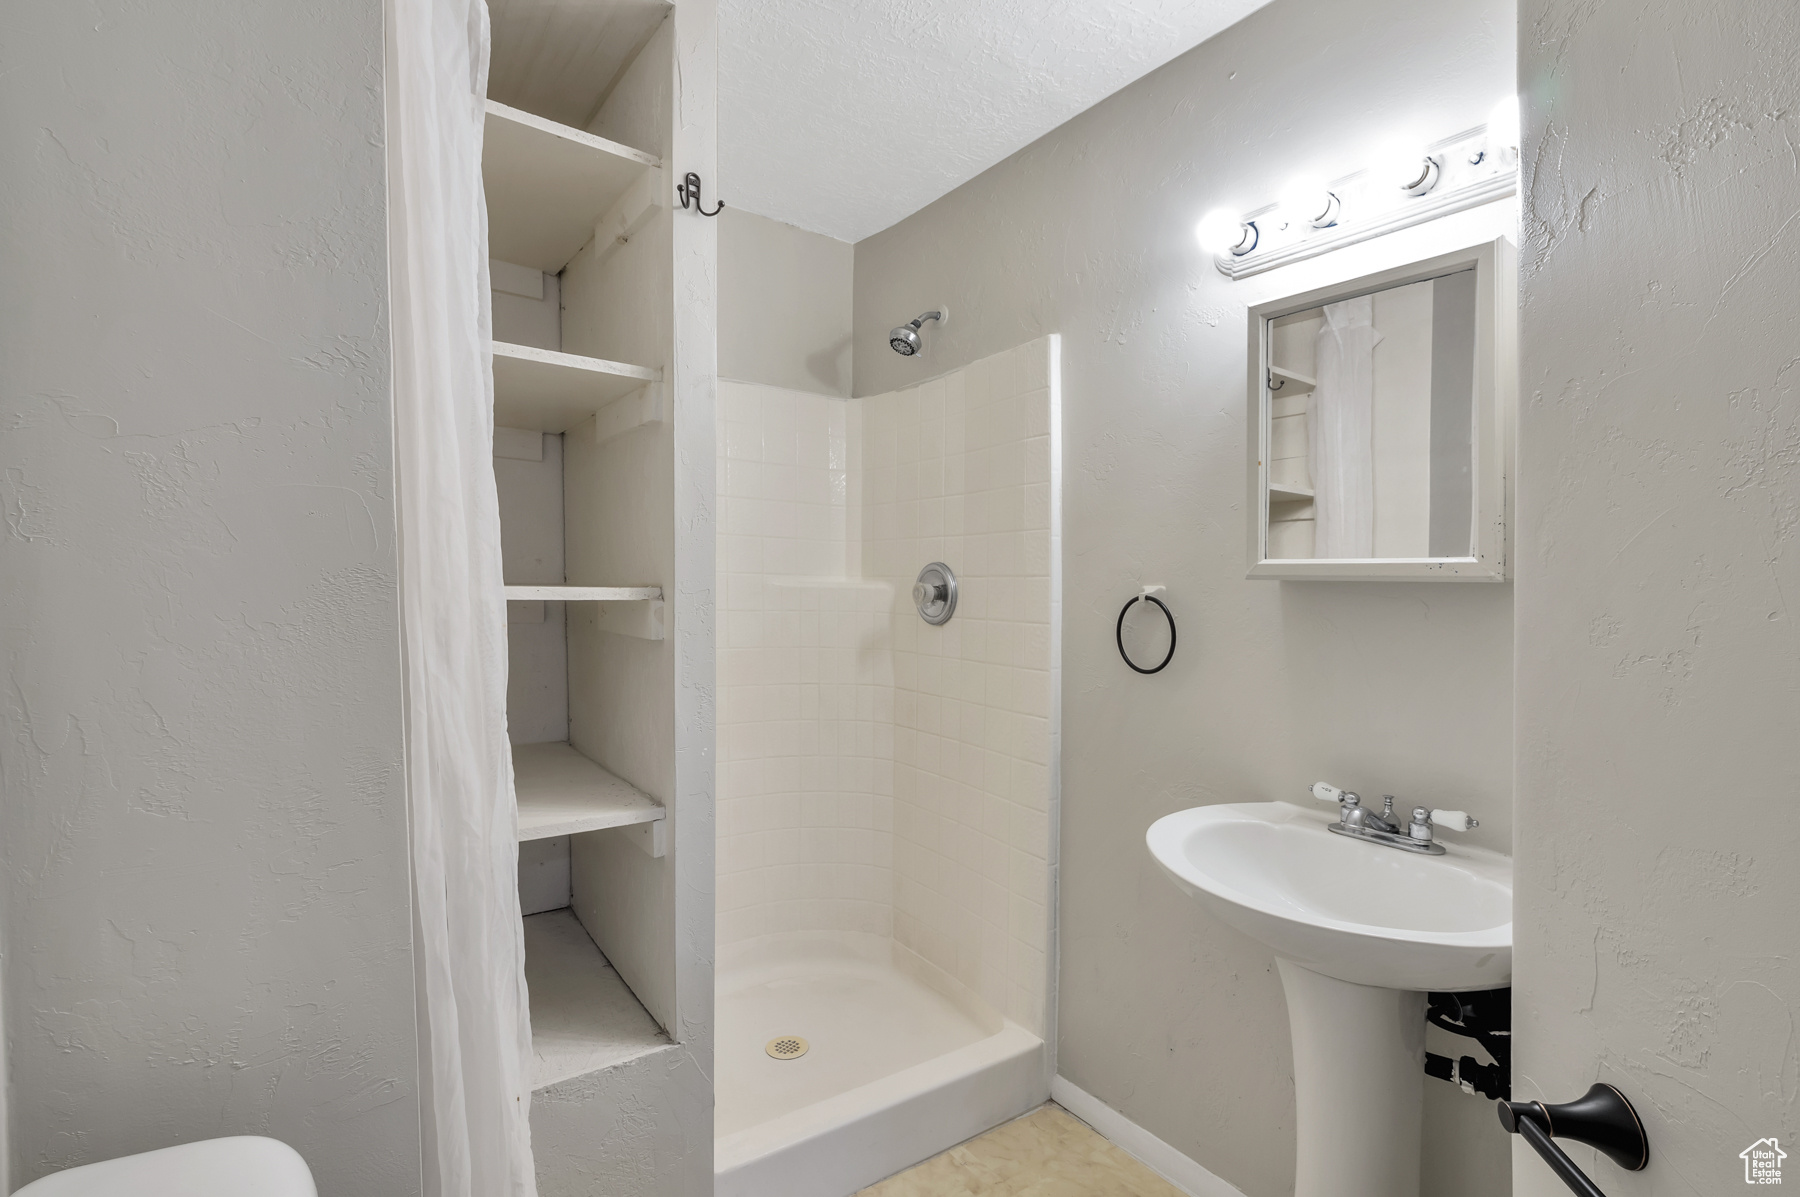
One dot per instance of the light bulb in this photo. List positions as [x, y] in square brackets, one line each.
[1405, 165]
[1503, 124]
[1305, 201]
[1301, 197]
[1219, 232]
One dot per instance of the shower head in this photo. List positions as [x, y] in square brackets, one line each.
[905, 339]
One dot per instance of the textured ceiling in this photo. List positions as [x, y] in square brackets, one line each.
[845, 116]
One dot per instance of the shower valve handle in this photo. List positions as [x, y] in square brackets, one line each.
[934, 593]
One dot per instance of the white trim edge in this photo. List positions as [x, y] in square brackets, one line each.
[1189, 1176]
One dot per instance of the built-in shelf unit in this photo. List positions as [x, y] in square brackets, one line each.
[603, 409]
[548, 185]
[561, 792]
[582, 594]
[584, 1018]
[550, 391]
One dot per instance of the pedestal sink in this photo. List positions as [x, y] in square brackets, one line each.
[1360, 932]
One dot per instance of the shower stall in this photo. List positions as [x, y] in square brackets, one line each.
[887, 786]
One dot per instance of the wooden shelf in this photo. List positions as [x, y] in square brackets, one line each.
[552, 392]
[1288, 494]
[584, 1018]
[1294, 377]
[636, 611]
[582, 594]
[561, 792]
[548, 185]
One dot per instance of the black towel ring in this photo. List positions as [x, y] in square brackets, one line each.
[1119, 633]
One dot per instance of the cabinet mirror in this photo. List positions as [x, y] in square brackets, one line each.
[1380, 411]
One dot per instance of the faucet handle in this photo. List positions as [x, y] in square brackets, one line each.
[1324, 791]
[1424, 821]
[1454, 820]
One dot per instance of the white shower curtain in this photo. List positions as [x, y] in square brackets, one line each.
[469, 942]
[1340, 434]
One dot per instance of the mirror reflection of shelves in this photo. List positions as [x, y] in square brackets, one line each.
[1284, 381]
[1290, 484]
[1290, 382]
[1289, 481]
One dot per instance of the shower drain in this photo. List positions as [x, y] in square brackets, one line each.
[786, 1047]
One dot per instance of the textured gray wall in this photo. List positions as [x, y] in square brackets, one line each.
[1166, 1014]
[784, 305]
[203, 823]
[1658, 909]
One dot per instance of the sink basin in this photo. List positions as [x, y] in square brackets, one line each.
[1360, 933]
[1346, 908]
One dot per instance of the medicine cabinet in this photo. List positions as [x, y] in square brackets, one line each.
[1380, 417]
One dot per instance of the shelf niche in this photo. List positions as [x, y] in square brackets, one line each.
[545, 390]
[549, 185]
[584, 1018]
[562, 792]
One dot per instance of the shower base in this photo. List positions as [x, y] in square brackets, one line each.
[902, 1063]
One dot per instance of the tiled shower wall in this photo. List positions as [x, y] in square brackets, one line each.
[805, 680]
[959, 470]
[877, 774]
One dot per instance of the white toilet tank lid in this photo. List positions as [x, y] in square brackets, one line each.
[240, 1166]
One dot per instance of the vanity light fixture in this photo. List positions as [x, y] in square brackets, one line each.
[1309, 202]
[1219, 232]
[1425, 178]
[1408, 183]
[1407, 166]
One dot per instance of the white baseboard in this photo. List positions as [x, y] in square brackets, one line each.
[1185, 1174]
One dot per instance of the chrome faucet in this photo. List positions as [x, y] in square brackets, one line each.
[1359, 822]
[1357, 817]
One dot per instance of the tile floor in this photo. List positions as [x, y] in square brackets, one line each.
[1047, 1153]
